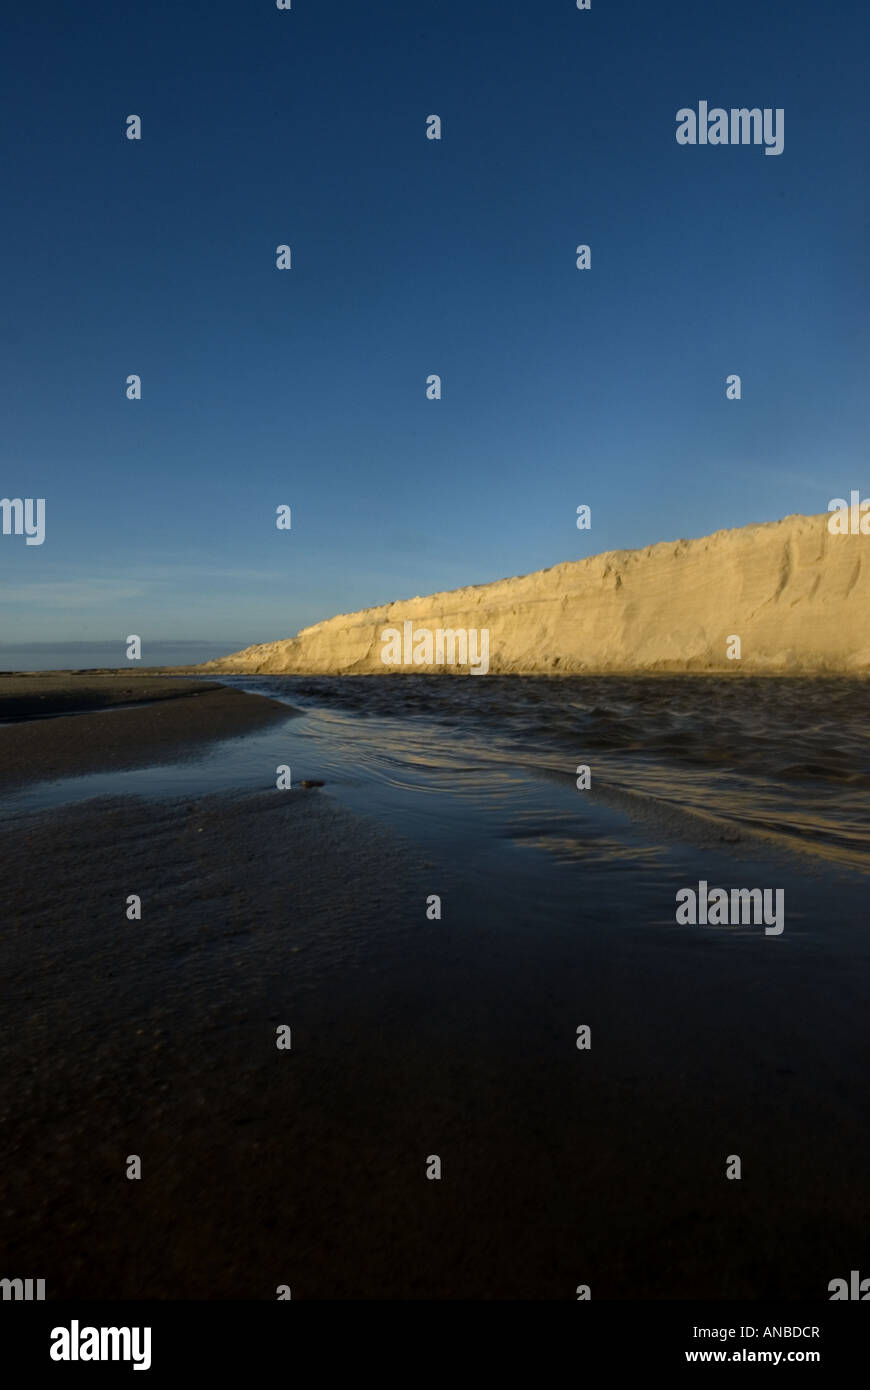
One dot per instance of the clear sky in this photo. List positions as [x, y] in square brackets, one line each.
[411, 256]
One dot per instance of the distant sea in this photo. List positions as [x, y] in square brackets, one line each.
[86, 656]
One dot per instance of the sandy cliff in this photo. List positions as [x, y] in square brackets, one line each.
[797, 597]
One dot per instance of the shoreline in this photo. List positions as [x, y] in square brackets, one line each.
[217, 669]
[57, 726]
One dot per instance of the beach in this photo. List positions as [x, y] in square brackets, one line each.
[414, 1037]
[60, 724]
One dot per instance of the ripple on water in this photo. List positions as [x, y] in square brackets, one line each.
[782, 758]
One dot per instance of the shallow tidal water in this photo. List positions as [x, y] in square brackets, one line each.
[787, 761]
[743, 783]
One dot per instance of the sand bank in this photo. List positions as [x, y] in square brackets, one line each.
[166, 717]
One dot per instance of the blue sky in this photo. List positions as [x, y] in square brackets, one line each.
[412, 257]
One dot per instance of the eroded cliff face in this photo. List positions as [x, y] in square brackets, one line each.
[797, 597]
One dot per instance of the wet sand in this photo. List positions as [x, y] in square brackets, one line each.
[76, 722]
[410, 1038]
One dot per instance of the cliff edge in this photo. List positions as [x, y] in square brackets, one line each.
[797, 597]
